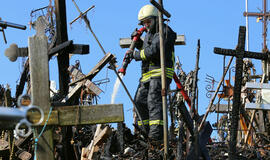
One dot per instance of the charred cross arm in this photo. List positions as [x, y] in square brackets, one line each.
[160, 8]
[247, 54]
[72, 48]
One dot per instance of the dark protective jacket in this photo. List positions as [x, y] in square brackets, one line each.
[148, 97]
[150, 54]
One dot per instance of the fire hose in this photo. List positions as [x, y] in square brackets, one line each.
[127, 60]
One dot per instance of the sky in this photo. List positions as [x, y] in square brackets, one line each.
[215, 22]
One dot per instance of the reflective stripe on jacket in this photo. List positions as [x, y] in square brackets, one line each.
[152, 122]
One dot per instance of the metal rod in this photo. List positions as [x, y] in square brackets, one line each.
[247, 38]
[6, 24]
[163, 82]
[215, 94]
[82, 14]
[265, 17]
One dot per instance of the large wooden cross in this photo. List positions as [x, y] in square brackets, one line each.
[240, 54]
[64, 115]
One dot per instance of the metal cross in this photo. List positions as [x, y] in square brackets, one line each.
[240, 54]
[264, 16]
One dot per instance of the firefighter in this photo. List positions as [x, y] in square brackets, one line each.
[148, 98]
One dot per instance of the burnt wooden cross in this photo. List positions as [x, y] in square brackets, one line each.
[240, 54]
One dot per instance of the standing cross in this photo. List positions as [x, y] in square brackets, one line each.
[240, 54]
[264, 15]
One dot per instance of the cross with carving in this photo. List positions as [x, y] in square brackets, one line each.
[240, 54]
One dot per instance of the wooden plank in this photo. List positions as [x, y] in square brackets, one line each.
[90, 114]
[53, 119]
[99, 140]
[67, 115]
[39, 77]
[106, 59]
[102, 136]
[252, 85]
[125, 42]
[244, 128]
[257, 106]
[77, 74]
[79, 49]
[84, 150]
[73, 91]
[39, 72]
[219, 108]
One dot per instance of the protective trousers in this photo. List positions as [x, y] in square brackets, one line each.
[148, 100]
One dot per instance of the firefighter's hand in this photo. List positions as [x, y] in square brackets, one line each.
[139, 42]
[133, 34]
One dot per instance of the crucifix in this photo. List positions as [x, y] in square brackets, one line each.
[264, 16]
[240, 54]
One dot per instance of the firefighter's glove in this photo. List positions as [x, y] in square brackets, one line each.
[139, 42]
[133, 34]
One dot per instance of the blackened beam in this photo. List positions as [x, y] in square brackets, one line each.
[23, 79]
[204, 137]
[106, 59]
[240, 54]
[186, 116]
[62, 36]
[204, 134]
[247, 54]
[160, 8]
[71, 48]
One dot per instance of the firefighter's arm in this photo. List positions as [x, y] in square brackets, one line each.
[150, 49]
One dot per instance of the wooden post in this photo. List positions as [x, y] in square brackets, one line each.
[39, 76]
[63, 64]
[62, 58]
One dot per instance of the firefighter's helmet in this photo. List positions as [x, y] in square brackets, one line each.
[147, 11]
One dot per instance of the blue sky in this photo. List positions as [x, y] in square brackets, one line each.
[214, 22]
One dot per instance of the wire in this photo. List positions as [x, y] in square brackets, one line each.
[36, 139]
